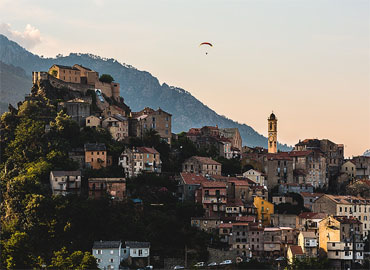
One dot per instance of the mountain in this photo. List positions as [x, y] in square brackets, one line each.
[139, 89]
[367, 153]
[14, 85]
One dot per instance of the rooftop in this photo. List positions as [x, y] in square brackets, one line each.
[296, 250]
[347, 220]
[106, 244]
[95, 147]
[134, 244]
[212, 184]
[65, 173]
[66, 67]
[312, 215]
[205, 160]
[147, 150]
[192, 178]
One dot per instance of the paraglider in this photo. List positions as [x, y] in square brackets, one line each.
[206, 44]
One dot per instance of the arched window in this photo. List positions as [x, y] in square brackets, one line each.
[270, 125]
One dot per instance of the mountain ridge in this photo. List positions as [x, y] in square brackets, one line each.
[139, 89]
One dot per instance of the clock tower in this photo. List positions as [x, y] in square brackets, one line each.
[272, 133]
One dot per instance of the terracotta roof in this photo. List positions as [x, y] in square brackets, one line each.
[312, 215]
[205, 160]
[212, 184]
[246, 218]
[192, 178]
[296, 250]
[237, 182]
[240, 224]
[346, 199]
[272, 229]
[66, 67]
[308, 194]
[299, 153]
[193, 131]
[147, 150]
[279, 156]
[347, 220]
[235, 202]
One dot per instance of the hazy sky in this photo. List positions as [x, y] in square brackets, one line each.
[307, 60]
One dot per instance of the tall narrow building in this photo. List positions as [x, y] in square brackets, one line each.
[272, 131]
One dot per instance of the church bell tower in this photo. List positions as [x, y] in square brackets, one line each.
[272, 133]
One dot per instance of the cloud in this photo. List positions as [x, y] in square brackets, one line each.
[29, 38]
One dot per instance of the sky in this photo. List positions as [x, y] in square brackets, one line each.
[306, 60]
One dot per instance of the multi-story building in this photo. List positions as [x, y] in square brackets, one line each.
[114, 187]
[65, 73]
[96, 155]
[334, 153]
[362, 167]
[92, 121]
[284, 220]
[78, 156]
[239, 240]
[345, 206]
[256, 239]
[309, 244]
[201, 165]
[140, 160]
[138, 253]
[309, 198]
[264, 210]
[237, 189]
[340, 238]
[278, 168]
[213, 197]
[309, 167]
[188, 184]
[147, 119]
[65, 182]
[233, 135]
[272, 242]
[108, 254]
[117, 126]
[78, 109]
[309, 221]
[349, 168]
[255, 176]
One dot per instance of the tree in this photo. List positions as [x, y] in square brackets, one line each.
[77, 260]
[106, 78]
[16, 251]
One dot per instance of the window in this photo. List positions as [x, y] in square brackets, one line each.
[98, 260]
[111, 260]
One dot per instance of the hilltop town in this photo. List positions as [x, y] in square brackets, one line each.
[74, 143]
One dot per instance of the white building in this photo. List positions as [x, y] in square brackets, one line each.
[256, 176]
[108, 254]
[65, 182]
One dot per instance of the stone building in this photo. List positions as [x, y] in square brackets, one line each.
[201, 165]
[362, 167]
[233, 135]
[256, 239]
[140, 160]
[239, 240]
[65, 73]
[213, 197]
[272, 242]
[278, 168]
[92, 121]
[207, 224]
[309, 244]
[309, 167]
[117, 126]
[114, 187]
[65, 182]
[148, 119]
[345, 206]
[188, 184]
[309, 198]
[78, 109]
[349, 168]
[96, 155]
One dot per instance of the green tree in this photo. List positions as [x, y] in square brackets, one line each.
[16, 251]
[106, 78]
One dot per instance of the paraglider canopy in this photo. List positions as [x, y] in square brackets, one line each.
[206, 44]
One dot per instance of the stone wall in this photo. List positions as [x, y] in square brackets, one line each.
[219, 255]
